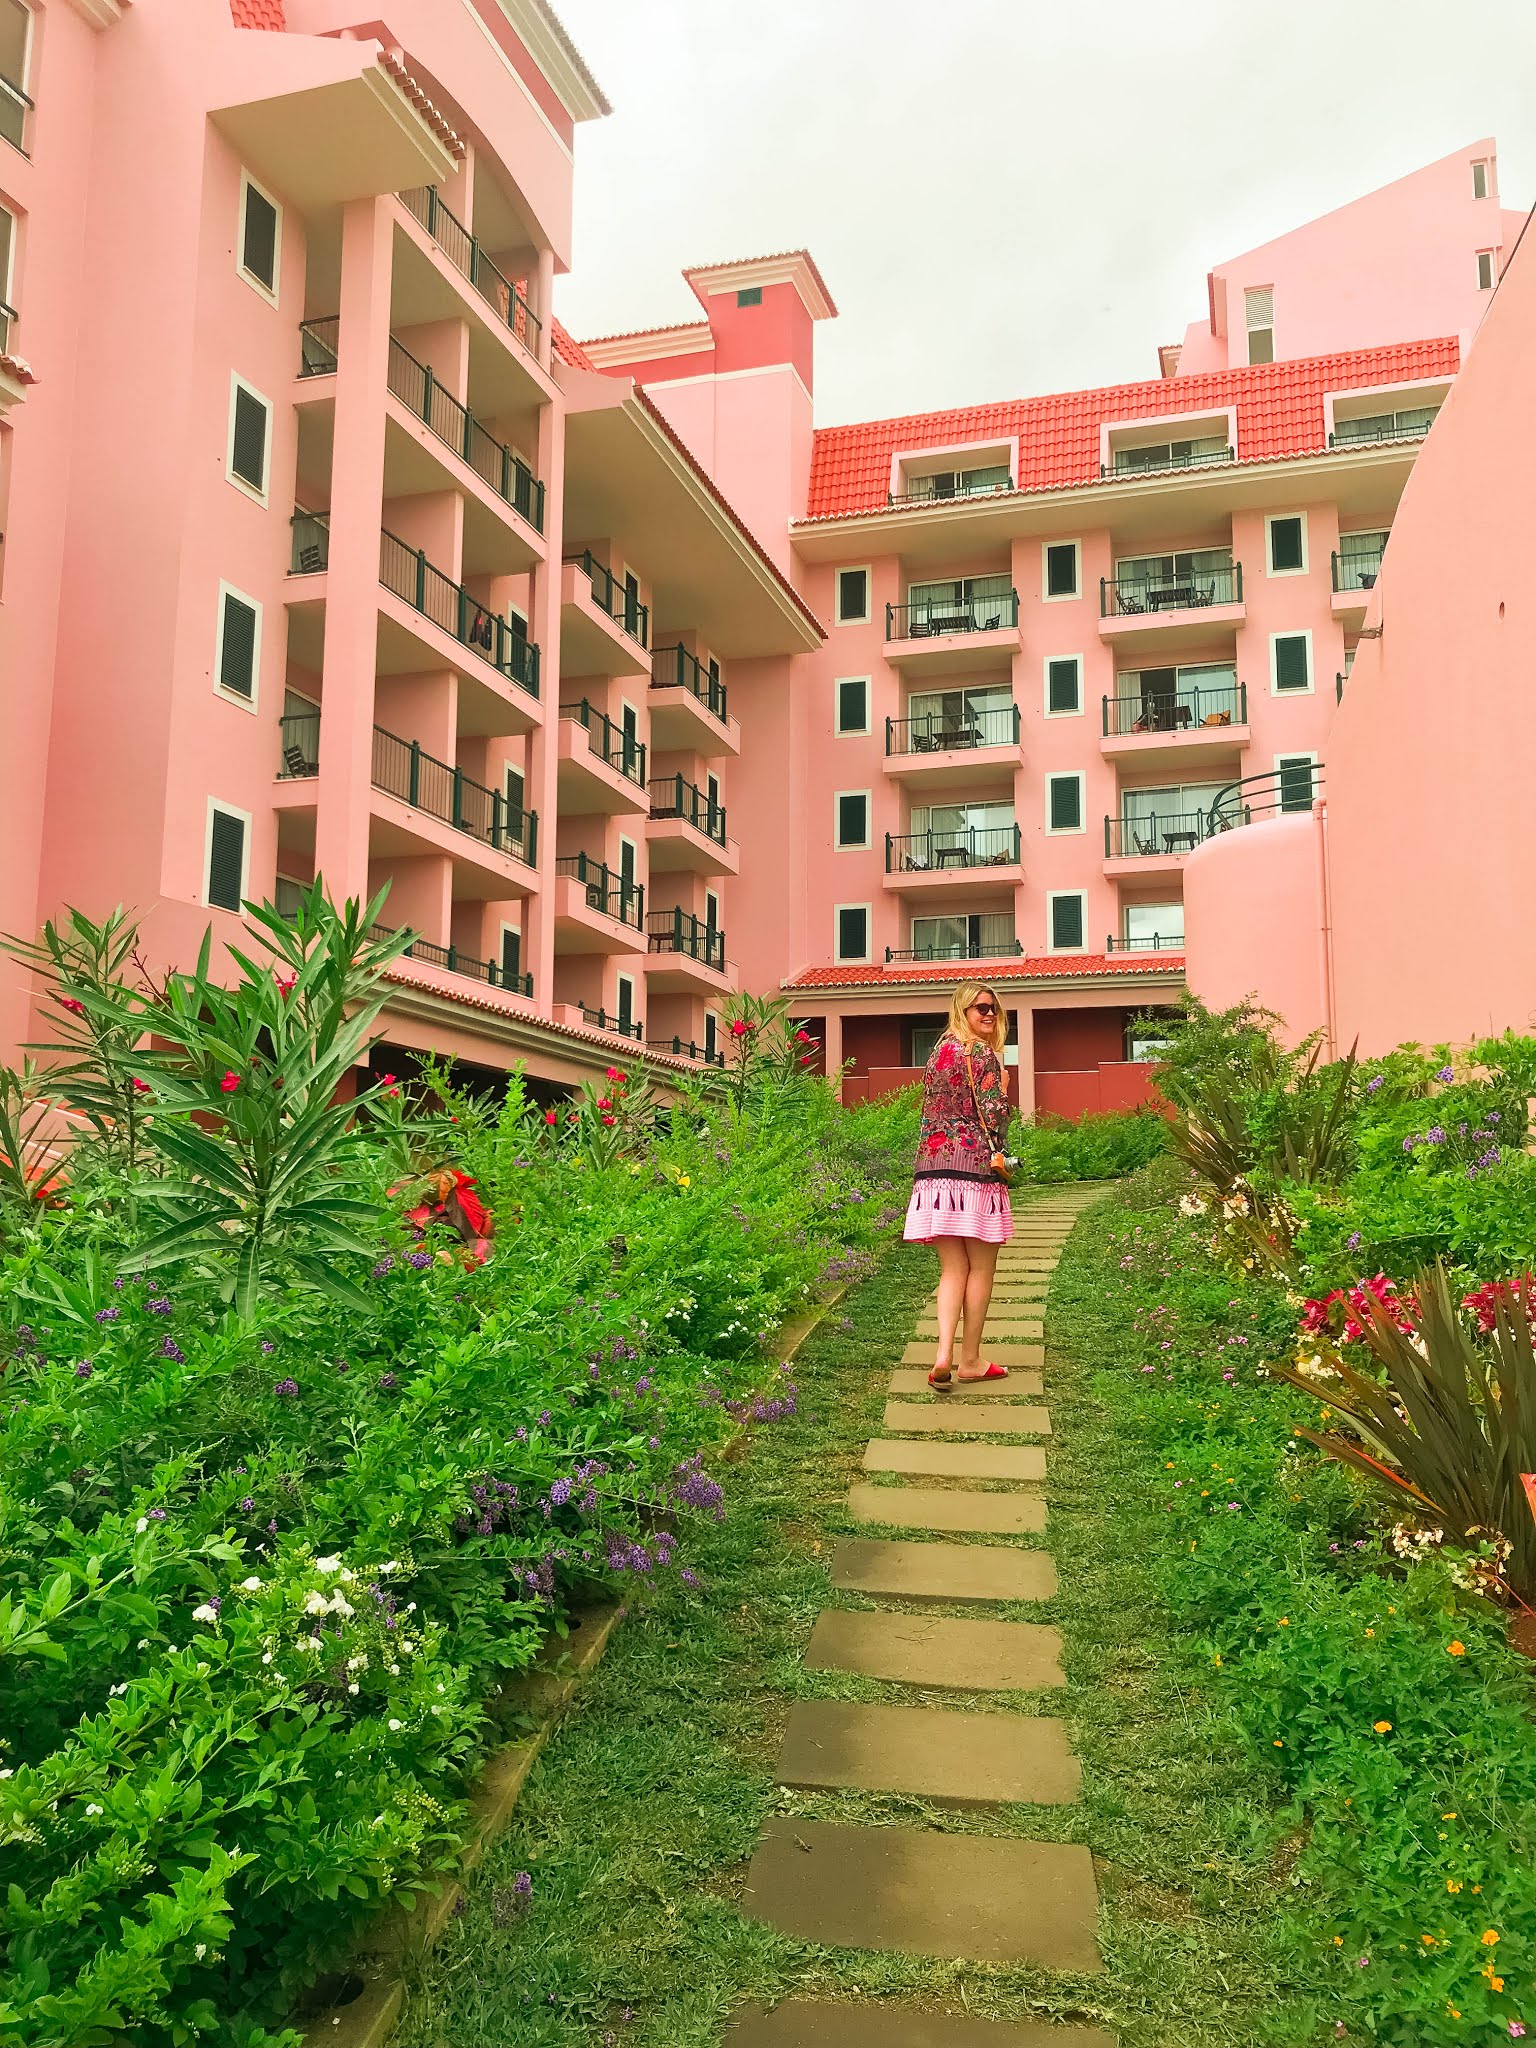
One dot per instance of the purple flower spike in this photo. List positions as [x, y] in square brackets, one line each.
[108, 1315]
[84, 1369]
[286, 1389]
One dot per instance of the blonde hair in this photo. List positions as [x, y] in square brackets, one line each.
[959, 1024]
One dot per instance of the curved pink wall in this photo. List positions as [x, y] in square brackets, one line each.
[1252, 920]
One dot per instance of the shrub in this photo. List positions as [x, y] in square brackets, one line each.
[1095, 1147]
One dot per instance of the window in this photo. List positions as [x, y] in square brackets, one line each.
[1063, 685]
[1190, 576]
[852, 597]
[260, 237]
[511, 956]
[852, 925]
[1295, 780]
[288, 893]
[1068, 918]
[1259, 320]
[1287, 545]
[1064, 803]
[750, 295]
[960, 483]
[628, 855]
[7, 265]
[711, 1033]
[938, 720]
[711, 911]
[988, 937]
[225, 856]
[15, 31]
[1480, 180]
[1359, 562]
[852, 810]
[514, 796]
[1150, 927]
[1171, 819]
[1383, 426]
[1175, 699]
[1185, 454]
[1061, 558]
[852, 704]
[238, 655]
[250, 439]
[626, 1002]
[982, 835]
[960, 604]
[712, 797]
[924, 1038]
[1146, 1040]
[1485, 270]
[1290, 661]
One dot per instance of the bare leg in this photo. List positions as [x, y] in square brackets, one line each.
[978, 1298]
[954, 1274]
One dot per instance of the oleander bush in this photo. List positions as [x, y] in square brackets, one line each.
[1100, 1146]
[316, 1420]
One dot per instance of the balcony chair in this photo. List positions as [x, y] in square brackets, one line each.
[297, 764]
[1216, 718]
[311, 559]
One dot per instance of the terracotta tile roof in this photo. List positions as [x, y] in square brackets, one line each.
[473, 999]
[417, 96]
[257, 14]
[692, 270]
[568, 348]
[1049, 967]
[645, 333]
[1279, 415]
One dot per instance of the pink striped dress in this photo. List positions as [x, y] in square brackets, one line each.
[954, 1192]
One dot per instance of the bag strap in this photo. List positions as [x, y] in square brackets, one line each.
[970, 1075]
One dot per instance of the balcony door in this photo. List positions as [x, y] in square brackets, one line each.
[964, 604]
[963, 938]
[1161, 699]
[978, 716]
[1150, 926]
[1139, 574]
[1170, 818]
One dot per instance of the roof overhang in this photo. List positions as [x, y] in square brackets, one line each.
[790, 266]
[687, 338]
[630, 481]
[1137, 985]
[539, 29]
[472, 1030]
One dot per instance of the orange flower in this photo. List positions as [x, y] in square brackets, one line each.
[1382, 1727]
[1490, 1937]
[1455, 1649]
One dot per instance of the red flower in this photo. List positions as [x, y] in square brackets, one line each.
[551, 1116]
[140, 1087]
[1484, 1301]
[574, 1117]
[802, 1038]
[936, 1142]
[603, 1102]
[389, 1084]
[285, 983]
[610, 1119]
[740, 1028]
[73, 1004]
[615, 1074]
[806, 1058]
[230, 1083]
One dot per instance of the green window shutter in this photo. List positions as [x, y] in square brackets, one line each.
[226, 860]
[853, 705]
[1066, 921]
[852, 593]
[1066, 803]
[852, 932]
[1285, 544]
[258, 243]
[249, 456]
[1064, 686]
[852, 820]
[1296, 783]
[626, 1002]
[1061, 569]
[1292, 671]
[750, 295]
[237, 647]
[511, 957]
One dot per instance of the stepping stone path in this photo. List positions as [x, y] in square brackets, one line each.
[971, 1897]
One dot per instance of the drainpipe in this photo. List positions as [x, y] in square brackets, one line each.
[1325, 931]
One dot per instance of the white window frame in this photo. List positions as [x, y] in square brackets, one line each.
[1271, 520]
[853, 845]
[1291, 755]
[839, 616]
[1294, 633]
[1073, 596]
[1052, 897]
[262, 291]
[847, 732]
[1488, 257]
[1127, 910]
[215, 805]
[228, 696]
[1045, 686]
[849, 959]
[247, 490]
[1079, 776]
[1480, 177]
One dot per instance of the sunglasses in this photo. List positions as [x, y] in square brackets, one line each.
[983, 1009]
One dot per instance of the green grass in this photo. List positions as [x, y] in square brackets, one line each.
[640, 1817]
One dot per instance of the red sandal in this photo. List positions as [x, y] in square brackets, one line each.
[993, 1372]
[941, 1386]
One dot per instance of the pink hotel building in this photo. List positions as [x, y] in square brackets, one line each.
[328, 552]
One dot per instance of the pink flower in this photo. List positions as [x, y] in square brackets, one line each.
[806, 1058]
[230, 1083]
[610, 1119]
[285, 983]
[615, 1074]
[551, 1116]
[802, 1038]
[740, 1028]
[72, 1004]
[140, 1087]
[603, 1102]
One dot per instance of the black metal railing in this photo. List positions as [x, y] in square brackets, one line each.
[1156, 461]
[612, 597]
[1121, 596]
[464, 252]
[319, 341]
[929, 618]
[601, 1021]
[958, 846]
[1187, 708]
[960, 951]
[610, 742]
[1379, 427]
[419, 389]
[298, 746]
[685, 1049]
[456, 961]
[674, 668]
[679, 931]
[1358, 569]
[309, 551]
[674, 796]
[917, 495]
[407, 572]
[1156, 944]
[1338, 687]
[1292, 787]
[402, 768]
[1157, 834]
[15, 108]
[943, 732]
[607, 892]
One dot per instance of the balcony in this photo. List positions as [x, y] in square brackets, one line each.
[1354, 578]
[1188, 719]
[1157, 844]
[685, 1049]
[1410, 425]
[453, 961]
[921, 955]
[945, 488]
[968, 857]
[1165, 457]
[1159, 609]
[402, 769]
[1156, 944]
[967, 747]
[688, 830]
[939, 635]
[683, 953]
[620, 1027]
[596, 910]
[603, 627]
[601, 766]
[689, 711]
[299, 746]
[464, 252]
[15, 115]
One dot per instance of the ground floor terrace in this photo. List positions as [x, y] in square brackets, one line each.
[1083, 1033]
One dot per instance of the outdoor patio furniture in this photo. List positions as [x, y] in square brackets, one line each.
[1217, 718]
[296, 763]
[1184, 841]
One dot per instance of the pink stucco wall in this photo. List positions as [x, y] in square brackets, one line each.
[1253, 919]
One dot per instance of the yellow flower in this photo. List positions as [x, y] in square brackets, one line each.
[1382, 1727]
[1453, 2010]
[1370, 1631]
[1284, 1621]
[1447, 1816]
[1453, 1884]
[685, 1180]
[1490, 1937]
[1428, 1940]
[1455, 1649]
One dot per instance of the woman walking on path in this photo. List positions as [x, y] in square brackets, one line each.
[959, 1200]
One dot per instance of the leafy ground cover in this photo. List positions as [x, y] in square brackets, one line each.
[1051, 1149]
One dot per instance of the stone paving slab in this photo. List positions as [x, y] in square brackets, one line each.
[1019, 1386]
[944, 1417]
[958, 1759]
[933, 1649]
[798, 2023]
[927, 1894]
[942, 1571]
[1023, 1329]
[1002, 1350]
[957, 1461]
[932, 1507]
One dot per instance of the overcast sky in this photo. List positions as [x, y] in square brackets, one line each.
[1007, 197]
